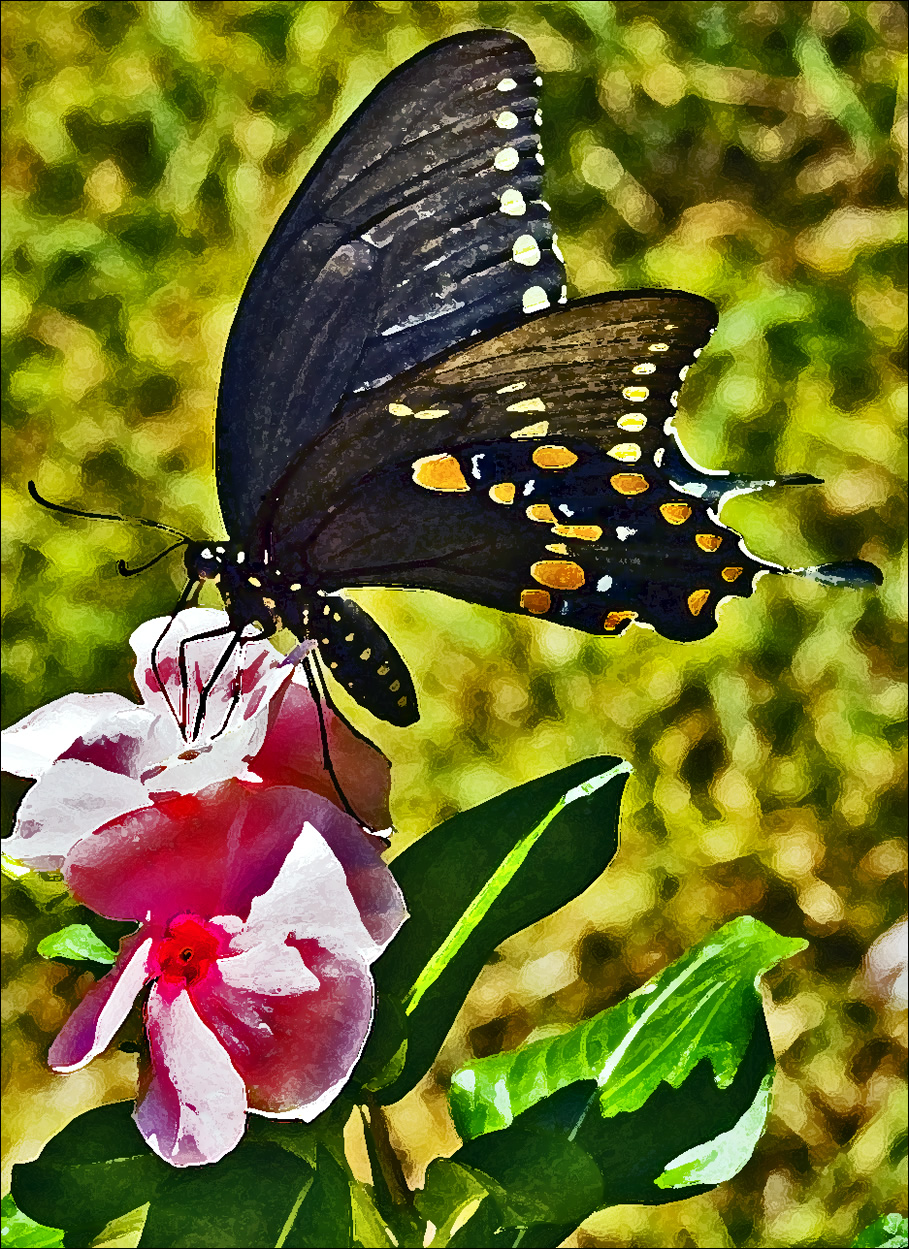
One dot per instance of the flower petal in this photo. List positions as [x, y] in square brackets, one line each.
[92, 1025]
[273, 969]
[193, 1107]
[241, 694]
[70, 800]
[291, 754]
[32, 744]
[127, 741]
[209, 853]
[294, 1051]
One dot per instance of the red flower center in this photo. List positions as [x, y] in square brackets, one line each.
[189, 948]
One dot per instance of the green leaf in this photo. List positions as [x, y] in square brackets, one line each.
[449, 1197]
[99, 1168]
[21, 1232]
[702, 1006]
[889, 1230]
[477, 879]
[668, 1091]
[325, 1213]
[76, 941]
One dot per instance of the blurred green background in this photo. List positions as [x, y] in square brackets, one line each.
[752, 152]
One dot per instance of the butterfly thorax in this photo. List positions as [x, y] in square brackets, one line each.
[252, 592]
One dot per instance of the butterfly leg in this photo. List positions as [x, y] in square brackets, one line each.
[184, 674]
[181, 603]
[314, 690]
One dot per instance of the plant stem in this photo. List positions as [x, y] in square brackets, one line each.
[375, 1120]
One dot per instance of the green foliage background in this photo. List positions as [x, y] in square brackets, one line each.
[752, 152]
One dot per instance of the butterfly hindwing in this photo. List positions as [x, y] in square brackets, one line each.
[420, 225]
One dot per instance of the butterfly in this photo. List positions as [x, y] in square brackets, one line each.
[408, 399]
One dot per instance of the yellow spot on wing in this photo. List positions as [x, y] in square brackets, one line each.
[658, 347]
[537, 602]
[541, 512]
[629, 483]
[626, 451]
[558, 548]
[507, 390]
[697, 600]
[675, 513]
[512, 203]
[502, 493]
[525, 250]
[431, 414]
[632, 422]
[527, 405]
[439, 472]
[730, 574]
[400, 409]
[708, 541]
[553, 457]
[636, 394]
[539, 430]
[584, 533]
[615, 618]
[644, 368]
[558, 574]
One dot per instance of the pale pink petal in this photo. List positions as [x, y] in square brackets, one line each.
[237, 702]
[310, 898]
[32, 744]
[291, 754]
[271, 969]
[373, 888]
[92, 1025]
[193, 1107]
[295, 1052]
[71, 800]
[129, 741]
[209, 853]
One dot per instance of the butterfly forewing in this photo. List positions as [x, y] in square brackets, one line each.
[421, 225]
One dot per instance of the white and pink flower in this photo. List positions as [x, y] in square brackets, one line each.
[261, 909]
[96, 757]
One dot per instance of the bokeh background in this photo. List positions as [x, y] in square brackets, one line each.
[752, 152]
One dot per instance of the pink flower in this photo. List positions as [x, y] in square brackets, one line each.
[96, 757]
[261, 909]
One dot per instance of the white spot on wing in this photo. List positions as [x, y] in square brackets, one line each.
[526, 250]
[535, 299]
[506, 159]
[565, 509]
[475, 464]
[556, 250]
[563, 297]
[658, 456]
[683, 372]
[539, 158]
[506, 120]
[527, 405]
[697, 351]
[538, 118]
[512, 203]
[528, 487]
[674, 398]
[507, 84]
[604, 583]
[623, 533]
[658, 347]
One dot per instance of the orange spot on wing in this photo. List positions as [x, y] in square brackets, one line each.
[542, 512]
[558, 574]
[537, 602]
[697, 600]
[675, 513]
[502, 493]
[709, 541]
[553, 457]
[731, 574]
[615, 618]
[585, 533]
[629, 483]
[439, 472]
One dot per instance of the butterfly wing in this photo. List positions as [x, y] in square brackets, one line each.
[534, 472]
[420, 225]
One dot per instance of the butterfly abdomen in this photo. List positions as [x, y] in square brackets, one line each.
[362, 659]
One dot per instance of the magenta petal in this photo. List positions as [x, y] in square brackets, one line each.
[128, 741]
[295, 1052]
[32, 744]
[70, 800]
[209, 853]
[92, 1025]
[193, 1108]
[292, 755]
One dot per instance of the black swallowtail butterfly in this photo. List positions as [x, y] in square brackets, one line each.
[408, 400]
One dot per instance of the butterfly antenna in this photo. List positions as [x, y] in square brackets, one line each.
[123, 520]
[312, 681]
[125, 571]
